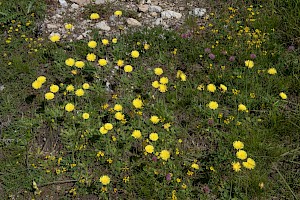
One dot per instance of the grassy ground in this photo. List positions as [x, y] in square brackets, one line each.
[49, 151]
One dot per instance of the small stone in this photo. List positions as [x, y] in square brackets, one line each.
[80, 37]
[148, 2]
[198, 12]
[157, 9]
[143, 8]
[133, 22]
[158, 21]
[74, 6]
[2, 87]
[81, 2]
[181, 8]
[98, 2]
[168, 14]
[63, 3]
[51, 26]
[112, 18]
[153, 14]
[103, 26]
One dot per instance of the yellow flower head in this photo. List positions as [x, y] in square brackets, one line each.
[136, 134]
[120, 63]
[283, 95]
[79, 64]
[165, 155]
[54, 88]
[137, 103]
[41, 79]
[272, 71]
[105, 180]
[128, 68]
[236, 166]
[211, 88]
[146, 46]
[108, 126]
[149, 149]
[213, 105]
[153, 136]
[158, 71]
[223, 88]
[114, 40]
[68, 26]
[250, 164]
[91, 57]
[135, 54]
[69, 107]
[94, 16]
[102, 62]
[155, 84]
[238, 145]
[70, 62]
[79, 92]
[85, 115]
[54, 37]
[195, 166]
[242, 107]
[154, 119]
[49, 96]
[105, 42]
[249, 64]
[164, 80]
[86, 86]
[92, 44]
[118, 13]
[241, 154]
[70, 88]
[119, 116]
[163, 88]
[102, 130]
[37, 84]
[118, 107]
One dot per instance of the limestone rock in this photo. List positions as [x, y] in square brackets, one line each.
[81, 2]
[143, 8]
[103, 26]
[168, 14]
[157, 9]
[133, 22]
[198, 12]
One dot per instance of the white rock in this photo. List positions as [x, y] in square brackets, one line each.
[153, 14]
[170, 14]
[199, 12]
[133, 22]
[2, 87]
[158, 21]
[103, 26]
[143, 8]
[74, 6]
[98, 2]
[157, 9]
[63, 3]
[52, 26]
[148, 2]
[81, 2]
[112, 18]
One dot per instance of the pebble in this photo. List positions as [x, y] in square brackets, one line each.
[81, 2]
[157, 9]
[98, 2]
[133, 22]
[158, 21]
[168, 14]
[153, 14]
[52, 26]
[63, 3]
[199, 12]
[74, 6]
[103, 26]
[143, 8]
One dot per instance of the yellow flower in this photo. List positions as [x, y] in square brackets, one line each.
[105, 180]
[120, 63]
[118, 107]
[155, 84]
[136, 134]
[108, 126]
[211, 88]
[242, 107]
[213, 105]
[118, 13]
[223, 88]
[250, 164]
[79, 92]
[114, 40]
[153, 136]
[102, 62]
[102, 130]
[183, 77]
[272, 71]
[49, 96]
[94, 16]
[283, 95]
[165, 155]
[54, 88]
[236, 166]
[163, 88]
[249, 64]
[69, 107]
[241, 154]
[238, 145]
[137, 103]
[36, 84]
[105, 42]
[70, 62]
[91, 57]
[128, 68]
[135, 54]
[200, 87]
[68, 26]
[146, 46]
[158, 71]
[54, 37]
[154, 119]
[70, 88]
[167, 126]
[164, 80]
[92, 44]
[86, 86]
[41, 79]
[195, 166]
[79, 64]
[119, 116]
[149, 149]
[85, 115]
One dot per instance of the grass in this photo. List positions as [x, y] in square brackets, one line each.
[47, 151]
